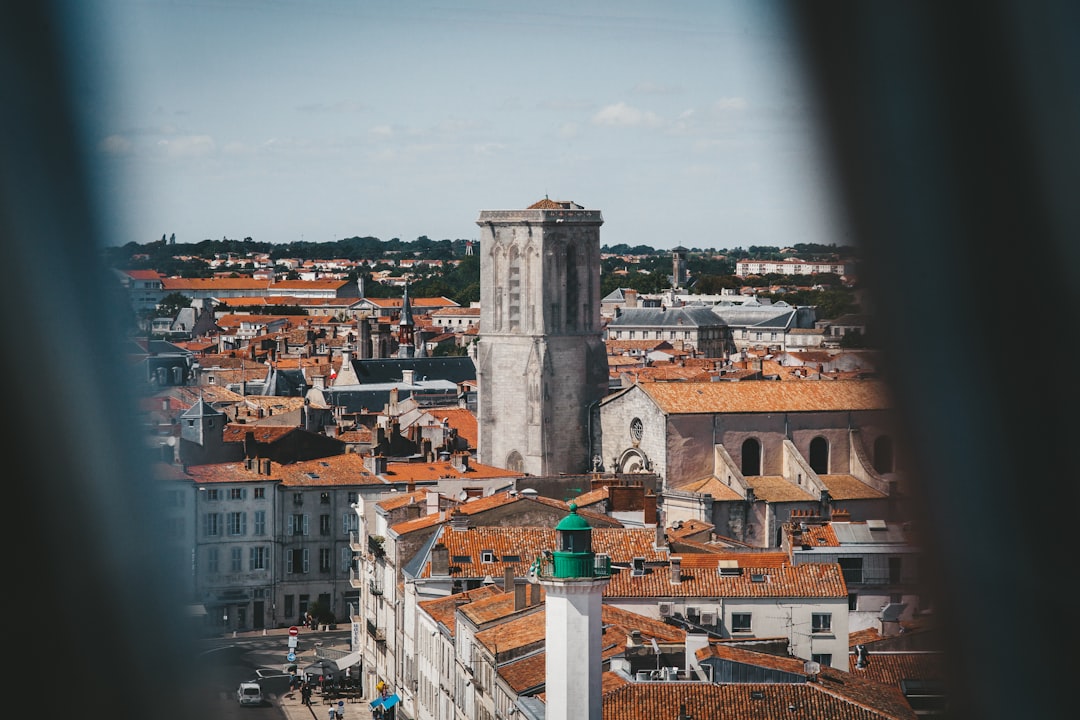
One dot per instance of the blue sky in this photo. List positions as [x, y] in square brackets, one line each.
[684, 123]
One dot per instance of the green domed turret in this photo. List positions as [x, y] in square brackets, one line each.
[574, 557]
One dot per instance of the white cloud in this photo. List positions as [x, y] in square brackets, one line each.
[568, 131]
[188, 146]
[622, 115]
[726, 104]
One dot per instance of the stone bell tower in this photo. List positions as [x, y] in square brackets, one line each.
[541, 364]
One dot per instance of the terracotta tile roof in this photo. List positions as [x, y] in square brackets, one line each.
[335, 471]
[467, 547]
[856, 695]
[820, 536]
[236, 433]
[889, 667]
[743, 701]
[327, 283]
[418, 471]
[442, 610]
[823, 580]
[591, 498]
[530, 672]
[361, 434]
[457, 311]
[227, 322]
[173, 284]
[848, 487]
[462, 420]
[861, 637]
[657, 374]
[403, 500]
[615, 362]
[686, 528]
[143, 274]
[421, 523]
[525, 674]
[775, 488]
[750, 558]
[513, 638]
[511, 632]
[767, 397]
[713, 486]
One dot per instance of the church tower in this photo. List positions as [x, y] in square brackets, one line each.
[541, 364]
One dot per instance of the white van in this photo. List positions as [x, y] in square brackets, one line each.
[249, 693]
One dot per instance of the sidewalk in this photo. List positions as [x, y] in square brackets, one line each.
[320, 710]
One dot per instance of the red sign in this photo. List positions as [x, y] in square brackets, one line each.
[294, 631]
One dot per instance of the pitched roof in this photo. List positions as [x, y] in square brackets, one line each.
[518, 547]
[442, 610]
[822, 580]
[764, 396]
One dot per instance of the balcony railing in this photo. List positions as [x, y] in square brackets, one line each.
[374, 586]
[376, 632]
[375, 545]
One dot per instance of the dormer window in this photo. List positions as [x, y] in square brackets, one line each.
[487, 556]
[637, 567]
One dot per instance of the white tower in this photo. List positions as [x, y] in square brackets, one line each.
[574, 580]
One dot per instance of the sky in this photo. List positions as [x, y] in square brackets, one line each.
[685, 123]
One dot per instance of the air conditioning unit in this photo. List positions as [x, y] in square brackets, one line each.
[708, 618]
[691, 612]
[665, 608]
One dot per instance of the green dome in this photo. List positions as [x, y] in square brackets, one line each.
[573, 521]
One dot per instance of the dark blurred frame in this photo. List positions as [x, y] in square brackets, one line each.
[954, 127]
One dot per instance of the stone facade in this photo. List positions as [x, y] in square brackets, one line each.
[541, 362]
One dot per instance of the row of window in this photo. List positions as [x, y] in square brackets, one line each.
[820, 623]
[235, 524]
[257, 557]
[176, 498]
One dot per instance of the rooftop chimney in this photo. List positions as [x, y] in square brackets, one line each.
[520, 600]
[440, 560]
[676, 569]
[459, 521]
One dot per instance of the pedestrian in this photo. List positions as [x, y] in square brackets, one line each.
[340, 710]
[305, 693]
[333, 712]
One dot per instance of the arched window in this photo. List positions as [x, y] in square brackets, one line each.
[883, 454]
[819, 455]
[513, 284]
[573, 290]
[514, 462]
[751, 457]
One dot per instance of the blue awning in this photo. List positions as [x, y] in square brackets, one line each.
[391, 701]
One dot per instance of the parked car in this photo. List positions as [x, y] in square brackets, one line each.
[249, 693]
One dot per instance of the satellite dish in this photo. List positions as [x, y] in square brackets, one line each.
[811, 668]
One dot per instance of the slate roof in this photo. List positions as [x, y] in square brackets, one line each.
[673, 317]
[455, 369]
